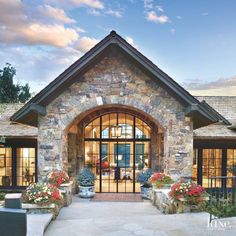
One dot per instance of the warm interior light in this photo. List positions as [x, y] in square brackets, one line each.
[25, 153]
[116, 131]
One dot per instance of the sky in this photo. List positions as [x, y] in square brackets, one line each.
[193, 41]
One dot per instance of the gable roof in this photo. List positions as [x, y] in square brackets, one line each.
[28, 114]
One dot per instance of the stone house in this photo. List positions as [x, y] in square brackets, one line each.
[117, 113]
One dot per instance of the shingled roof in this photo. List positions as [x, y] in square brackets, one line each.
[11, 129]
[225, 106]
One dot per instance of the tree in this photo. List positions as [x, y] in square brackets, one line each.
[10, 92]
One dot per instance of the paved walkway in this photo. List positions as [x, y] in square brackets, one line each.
[36, 224]
[85, 218]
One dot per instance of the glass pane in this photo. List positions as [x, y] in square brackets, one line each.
[211, 165]
[5, 167]
[194, 169]
[105, 126]
[142, 130]
[25, 166]
[92, 131]
[231, 165]
[91, 153]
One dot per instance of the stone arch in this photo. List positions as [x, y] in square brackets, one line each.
[116, 81]
[74, 133]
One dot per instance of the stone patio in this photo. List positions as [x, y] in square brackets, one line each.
[88, 218]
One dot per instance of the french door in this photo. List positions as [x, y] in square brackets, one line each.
[117, 149]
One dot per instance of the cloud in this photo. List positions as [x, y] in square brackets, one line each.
[172, 31]
[148, 4]
[55, 35]
[115, 13]
[159, 8]
[95, 12]
[20, 27]
[152, 16]
[40, 66]
[11, 12]
[223, 86]
[85, 43]
[54, 13]
[204, 13]
[179, 17]
[131, 41]
[90, 3]
[97, 4]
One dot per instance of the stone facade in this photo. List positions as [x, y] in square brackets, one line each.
[115, 80]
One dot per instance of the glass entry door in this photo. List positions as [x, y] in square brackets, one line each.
[117, 149]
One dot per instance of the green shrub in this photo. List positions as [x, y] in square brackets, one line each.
[221, 207]
[86, 178]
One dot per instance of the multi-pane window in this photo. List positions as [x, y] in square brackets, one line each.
[25, 166]
[211, 165]
[5, 166]
[17, 166]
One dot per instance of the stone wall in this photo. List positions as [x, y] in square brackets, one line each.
[115, 80]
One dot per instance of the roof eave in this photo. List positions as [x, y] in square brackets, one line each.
[40, 99]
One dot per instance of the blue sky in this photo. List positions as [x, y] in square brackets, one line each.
[191, 40]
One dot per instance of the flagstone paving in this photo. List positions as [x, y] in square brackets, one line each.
[88, 218]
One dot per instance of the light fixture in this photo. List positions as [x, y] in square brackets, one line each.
[2, 140]
[116, 131]
[119, 157]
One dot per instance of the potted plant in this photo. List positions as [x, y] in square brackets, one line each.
[145, 186]
[160, 180]
[43, 194]
[86, 179]
[188, 195]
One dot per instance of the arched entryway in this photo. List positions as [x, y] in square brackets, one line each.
[117, 148]
[116, 143]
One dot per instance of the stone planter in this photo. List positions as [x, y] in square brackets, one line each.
[66, 191]
[86, 191]
[182, 207]
[145, 192]
[161, 199]
[36, 209]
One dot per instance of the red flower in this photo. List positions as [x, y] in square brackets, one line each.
[56, 195]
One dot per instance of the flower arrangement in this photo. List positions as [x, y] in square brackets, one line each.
[57, 177]
[192, 193]
[160, 179]
[43, 194]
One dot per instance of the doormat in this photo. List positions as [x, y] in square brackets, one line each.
[117, 197]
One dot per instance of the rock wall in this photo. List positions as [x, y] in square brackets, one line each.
[116, 80]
